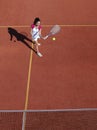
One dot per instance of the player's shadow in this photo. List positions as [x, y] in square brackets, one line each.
[20, 37]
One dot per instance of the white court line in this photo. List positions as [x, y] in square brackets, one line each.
[27, 90]
[62, 25]
[52, 110]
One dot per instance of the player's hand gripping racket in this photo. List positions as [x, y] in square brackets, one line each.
[54, 30]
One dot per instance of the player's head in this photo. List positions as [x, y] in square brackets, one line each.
[36, 21]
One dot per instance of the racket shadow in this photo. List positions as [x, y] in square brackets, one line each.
[20, 37]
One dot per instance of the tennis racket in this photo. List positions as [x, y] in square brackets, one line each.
[54, 30]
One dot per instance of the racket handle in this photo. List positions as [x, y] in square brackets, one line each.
[45, 37]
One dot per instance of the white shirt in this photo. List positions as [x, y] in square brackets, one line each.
[35, 32]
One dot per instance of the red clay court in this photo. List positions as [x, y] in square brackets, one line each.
[59, 90]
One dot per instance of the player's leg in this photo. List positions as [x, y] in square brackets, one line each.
[37, 48]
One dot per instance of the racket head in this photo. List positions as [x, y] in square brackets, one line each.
[55, 29]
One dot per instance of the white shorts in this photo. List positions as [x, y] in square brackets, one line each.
[36, 38]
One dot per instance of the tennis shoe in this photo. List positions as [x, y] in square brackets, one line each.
[39, 54]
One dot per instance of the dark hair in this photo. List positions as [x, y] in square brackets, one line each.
[36, 20]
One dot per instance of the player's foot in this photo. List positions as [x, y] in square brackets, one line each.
[39, 54]
[38, 44]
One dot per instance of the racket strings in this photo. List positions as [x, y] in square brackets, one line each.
[55, 29]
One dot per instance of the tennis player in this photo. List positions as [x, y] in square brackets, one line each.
[36, 34]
